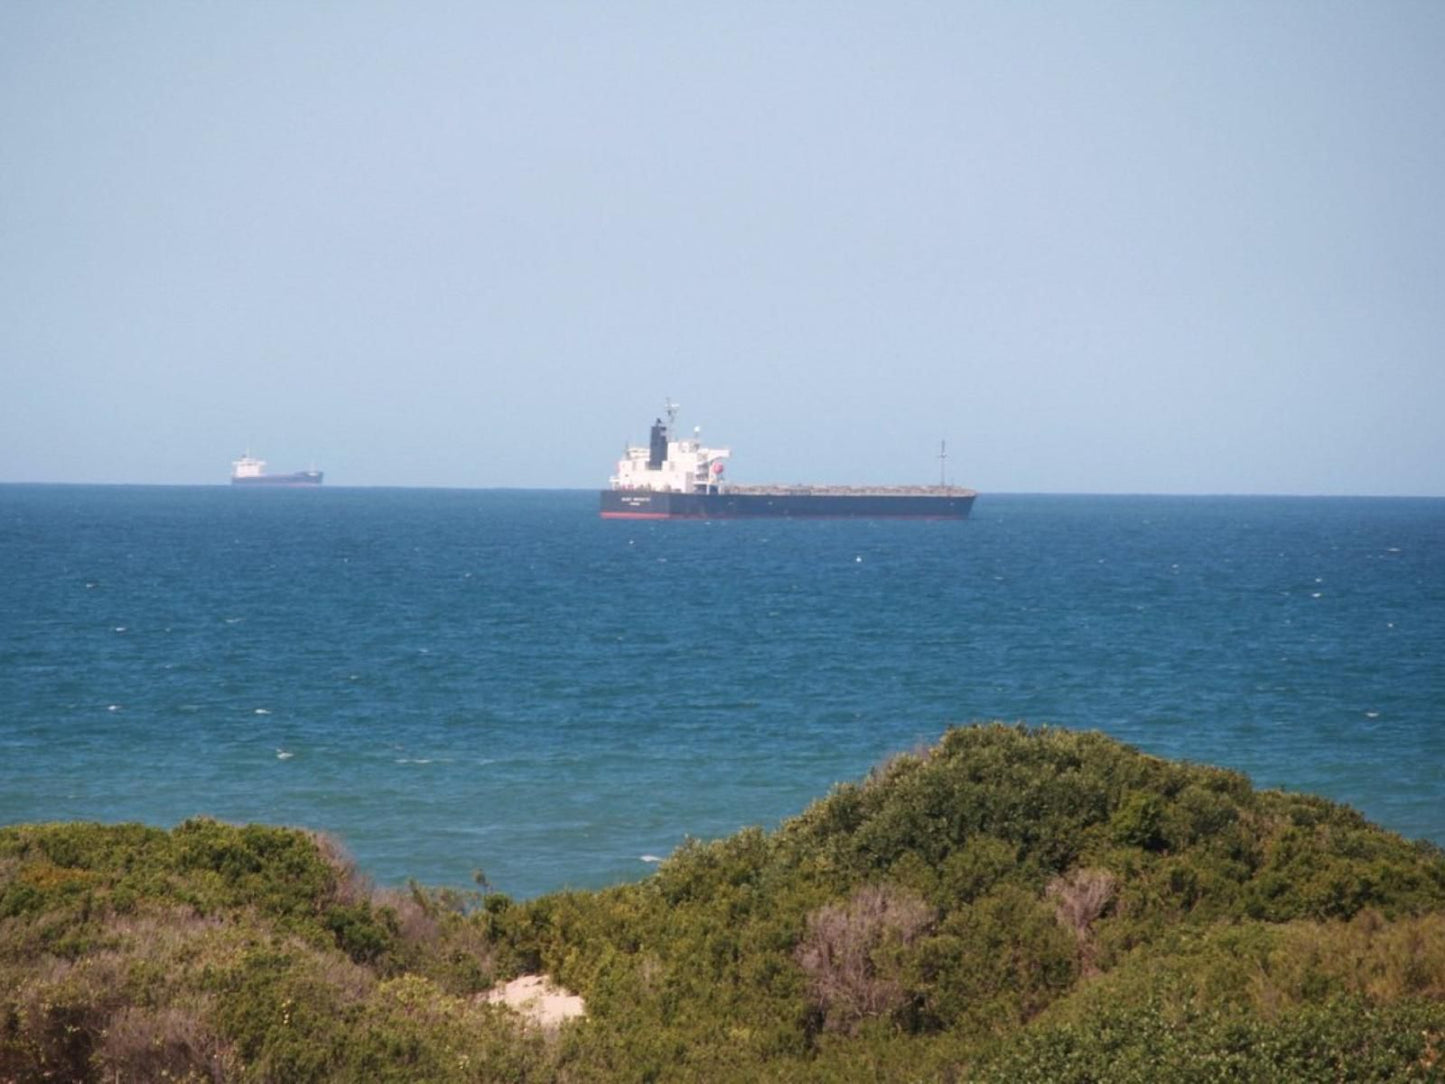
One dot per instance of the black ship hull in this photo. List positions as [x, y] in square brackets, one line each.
[648, 504]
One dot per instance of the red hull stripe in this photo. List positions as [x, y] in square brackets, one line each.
[795, 515]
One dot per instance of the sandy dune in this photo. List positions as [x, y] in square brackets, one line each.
[538, 999]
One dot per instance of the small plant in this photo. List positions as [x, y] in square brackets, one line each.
[846, 954]
[1080, 898]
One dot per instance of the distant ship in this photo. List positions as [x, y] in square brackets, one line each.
[681, 479]
[249, 471]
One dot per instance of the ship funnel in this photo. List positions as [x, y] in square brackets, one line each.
[657, 452]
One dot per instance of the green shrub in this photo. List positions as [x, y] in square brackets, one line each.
[1013, 903]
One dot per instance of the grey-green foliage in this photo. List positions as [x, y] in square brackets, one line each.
[1012, 903]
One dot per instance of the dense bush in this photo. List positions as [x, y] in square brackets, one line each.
[1339, 1040]
[1013, 903]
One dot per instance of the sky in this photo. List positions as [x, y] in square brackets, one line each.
[1095, 247]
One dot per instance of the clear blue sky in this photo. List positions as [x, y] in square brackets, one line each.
[1098, 247]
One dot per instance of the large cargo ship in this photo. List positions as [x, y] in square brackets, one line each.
[681, 479]
[249, 471]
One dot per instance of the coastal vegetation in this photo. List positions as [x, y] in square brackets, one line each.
[1011, 904]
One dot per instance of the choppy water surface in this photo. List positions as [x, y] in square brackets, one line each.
[453, 680]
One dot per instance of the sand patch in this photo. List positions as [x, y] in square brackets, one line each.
[538, 999]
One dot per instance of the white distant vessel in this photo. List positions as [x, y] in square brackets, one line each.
[250, 471]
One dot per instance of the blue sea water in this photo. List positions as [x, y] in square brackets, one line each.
[499, 680]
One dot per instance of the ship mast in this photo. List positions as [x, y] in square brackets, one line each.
[942, 464]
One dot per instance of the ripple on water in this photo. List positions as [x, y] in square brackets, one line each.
[454, 680]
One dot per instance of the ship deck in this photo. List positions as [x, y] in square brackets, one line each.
[845, 491]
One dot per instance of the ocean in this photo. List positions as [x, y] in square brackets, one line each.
[498, 680]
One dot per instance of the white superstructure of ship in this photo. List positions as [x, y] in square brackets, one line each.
[671, 466]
